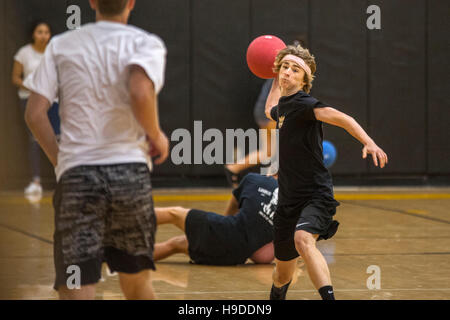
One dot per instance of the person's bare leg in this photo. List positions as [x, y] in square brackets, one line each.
[137, 286]
[315, 262]
[283, 272]
[282, 277]
[170, 247]
[172, 215]
[86, 292]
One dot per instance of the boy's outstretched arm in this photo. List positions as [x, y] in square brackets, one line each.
[340, 119]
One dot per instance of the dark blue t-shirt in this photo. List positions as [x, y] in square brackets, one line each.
[257, 196]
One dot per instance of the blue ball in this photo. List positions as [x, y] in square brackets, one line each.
[329, 153]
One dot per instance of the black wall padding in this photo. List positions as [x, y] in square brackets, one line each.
[438, 87]
[397, 85]
[289, 23]
[340, 49]
[170, 20]
[220, 77]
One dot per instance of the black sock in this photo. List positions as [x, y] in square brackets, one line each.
[327, 293]
[279, 293]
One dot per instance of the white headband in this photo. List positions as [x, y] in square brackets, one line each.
[298, 61]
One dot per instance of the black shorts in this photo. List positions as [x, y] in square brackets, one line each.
[314, 217]
[103, 213]
[213, 239]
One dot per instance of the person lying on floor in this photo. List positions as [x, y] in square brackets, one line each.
[245, 231]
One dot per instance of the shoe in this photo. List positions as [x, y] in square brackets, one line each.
[34, 200]
[33, 188]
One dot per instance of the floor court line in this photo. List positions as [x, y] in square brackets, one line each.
[397, 211]
[387, 254]
[338, 196]
[26, 233]
[305, 291]
[226, 197]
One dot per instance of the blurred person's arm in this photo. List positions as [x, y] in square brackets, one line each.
[273, 98]
[17, 73]
[37, 120]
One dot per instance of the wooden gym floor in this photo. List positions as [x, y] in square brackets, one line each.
[403, 231]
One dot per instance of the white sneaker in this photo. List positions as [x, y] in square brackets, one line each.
[33, 188]
[34, 200]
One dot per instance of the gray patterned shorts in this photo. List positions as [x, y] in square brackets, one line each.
[103, 213]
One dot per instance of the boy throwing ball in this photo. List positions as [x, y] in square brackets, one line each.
[306, 201]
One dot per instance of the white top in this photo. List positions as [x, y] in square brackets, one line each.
[88, 68]
[29, 59]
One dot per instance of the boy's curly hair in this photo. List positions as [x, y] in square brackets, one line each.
[300, 52]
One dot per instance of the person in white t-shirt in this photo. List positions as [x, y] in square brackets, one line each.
[26, 61]
[107, 76]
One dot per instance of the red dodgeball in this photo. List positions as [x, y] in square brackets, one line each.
[261, 54]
